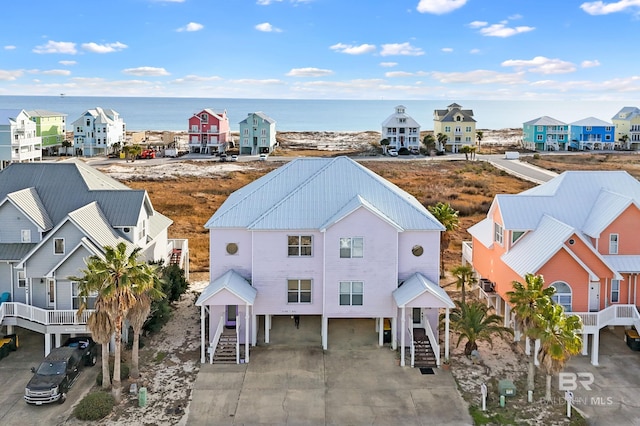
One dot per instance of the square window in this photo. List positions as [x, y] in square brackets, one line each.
[25, 235]
[298, 291]
[351, 293]
[351, 247]
[300, 245]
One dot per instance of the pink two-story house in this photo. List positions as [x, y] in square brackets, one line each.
[578, 232]
[209, 132]
[324, 239]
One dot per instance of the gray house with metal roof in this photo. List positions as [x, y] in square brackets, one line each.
[52, 217]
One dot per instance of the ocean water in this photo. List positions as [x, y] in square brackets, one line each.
[313, 115]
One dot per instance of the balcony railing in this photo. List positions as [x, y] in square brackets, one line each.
[611, 315]
[467, 251]
[43, 316]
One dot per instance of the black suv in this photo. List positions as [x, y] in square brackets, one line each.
[59, 370]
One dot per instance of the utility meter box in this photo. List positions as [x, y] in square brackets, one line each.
[506, 388]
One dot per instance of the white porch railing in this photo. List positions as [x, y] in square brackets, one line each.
[611, 315]
[435, 345]
[43, 316]
[237, 339]
[412, 347]
[216, 338]
[467, 252]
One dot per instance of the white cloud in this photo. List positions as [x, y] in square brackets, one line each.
[146, 71]
[396, 74]
[477, 24]
[309, 72]
[67, 63]
[168, 1]
[501, 30]
[602, 8]
[258, 82]
[388, 64]
[439, 7]
[104, 48]
[65, 47]
[590, 64]
[266, 2]
[196, 79]
[478, 77]
[474, 51]
[353, 50]
[10, 75]
[447, 49]
[9, 47]
[541, 65]
[191, 27]
[56, 72]
[404, 49]
[267, 28]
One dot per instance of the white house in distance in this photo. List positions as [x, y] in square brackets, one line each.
[53, 215]
[18, 138]
[95, 132]
[401, 130]
[305, 241]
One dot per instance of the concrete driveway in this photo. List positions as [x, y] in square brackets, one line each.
[303, 385]
[15, 372]
[614, 397]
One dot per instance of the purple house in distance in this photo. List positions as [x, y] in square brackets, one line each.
[332, 243]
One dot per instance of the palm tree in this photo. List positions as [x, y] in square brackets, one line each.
[559, 340]
[384, 143]
[475, 323]
[624, 139]
[137, 317]
[528, 301]
[442, 140]
[466, 149]
[464, 276]
[101, 326]
[117, 278]
[448, 217]
[479, 136]
[429, 142]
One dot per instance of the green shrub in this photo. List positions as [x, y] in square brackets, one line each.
[95, 406]
[124, 373]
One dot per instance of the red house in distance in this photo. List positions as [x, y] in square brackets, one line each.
[209, 132]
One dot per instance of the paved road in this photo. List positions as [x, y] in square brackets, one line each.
[520, 169]
[15, 372]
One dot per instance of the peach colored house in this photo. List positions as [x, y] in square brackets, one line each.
[578, 231]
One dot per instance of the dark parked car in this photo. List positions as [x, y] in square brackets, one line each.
[59, 370]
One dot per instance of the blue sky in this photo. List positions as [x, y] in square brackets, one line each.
[323, 49]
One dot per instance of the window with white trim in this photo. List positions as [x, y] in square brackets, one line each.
[76, 300]
[22, 279]
[25, 235]
[351, 247]
[300, 245]
[563, 295]
[298, 291]
[58, 246]
[351, 293]
[498, 233]
[615, 291]
[613, 243]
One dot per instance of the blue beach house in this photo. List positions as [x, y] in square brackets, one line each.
[592, 133]
[257, 134]
[545, 134]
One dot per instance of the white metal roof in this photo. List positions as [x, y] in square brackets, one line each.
[591, 121]
[545, 121]
[483, 232]
[533, 250]
[307, 193]
[416, 285]
[569, 197]
[234, 283]
[29, 202]
[624, 263]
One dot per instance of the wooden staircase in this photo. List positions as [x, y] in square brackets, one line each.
[225, 352]
[424, 355]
